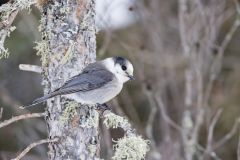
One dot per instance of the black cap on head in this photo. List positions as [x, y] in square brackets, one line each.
[120, 60]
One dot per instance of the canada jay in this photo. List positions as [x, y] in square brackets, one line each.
[98, 83]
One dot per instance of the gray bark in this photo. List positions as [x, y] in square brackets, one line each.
[68, 45]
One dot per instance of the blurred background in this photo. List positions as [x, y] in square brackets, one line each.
[185, 98]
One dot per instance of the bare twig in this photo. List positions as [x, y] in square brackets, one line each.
[238, 148]
[182, 12]
[211, 131]
[17, 118]
[237, 6]
[227, 136]
[1, 113]
[165, 115]
[6, 155]
[131, 109]
[202, 149]
[151, 117]
[106, 41]
[30, 68]
[196, 71]
[216, 66]
[26, 150]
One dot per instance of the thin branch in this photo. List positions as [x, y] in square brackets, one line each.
[182, 14]
[216, 66]
[26, 150]
[30, 68]
[238, 148]
[227, 136]
[6, 155]
[237, 6]
[1, 113]
[151, 117]
[165, 115]
[106, 42]
[17, 118]
[202, 149]
[211, 131]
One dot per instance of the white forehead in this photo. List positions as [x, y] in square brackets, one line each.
[129, 67]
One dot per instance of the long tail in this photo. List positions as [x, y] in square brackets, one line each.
[39, 100]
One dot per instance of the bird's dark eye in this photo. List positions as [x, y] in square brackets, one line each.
[124, 68]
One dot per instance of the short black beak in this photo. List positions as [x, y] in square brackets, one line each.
[131, 77]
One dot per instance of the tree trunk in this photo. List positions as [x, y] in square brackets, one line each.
[68, 45]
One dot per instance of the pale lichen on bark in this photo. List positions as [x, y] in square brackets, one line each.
[131, 146]
[69, 112]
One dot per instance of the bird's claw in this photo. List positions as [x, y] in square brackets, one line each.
[103, 107]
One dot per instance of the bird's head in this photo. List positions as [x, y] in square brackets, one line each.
[121, 68]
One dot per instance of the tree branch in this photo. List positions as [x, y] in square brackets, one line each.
[228, 135]
[17, 118]
[30, 68]
[1, 113]
[26, 150]
[209, 148]
[165, 115]
[238, 148]
[216, 65]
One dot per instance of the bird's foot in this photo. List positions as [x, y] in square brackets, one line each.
[103, 107]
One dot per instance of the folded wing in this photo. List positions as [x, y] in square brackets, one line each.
[93, 76]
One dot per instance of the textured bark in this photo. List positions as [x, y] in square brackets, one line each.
[68, 45]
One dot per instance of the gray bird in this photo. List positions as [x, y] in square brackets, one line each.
[98, 83]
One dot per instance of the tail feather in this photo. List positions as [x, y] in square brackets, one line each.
[38, 100]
